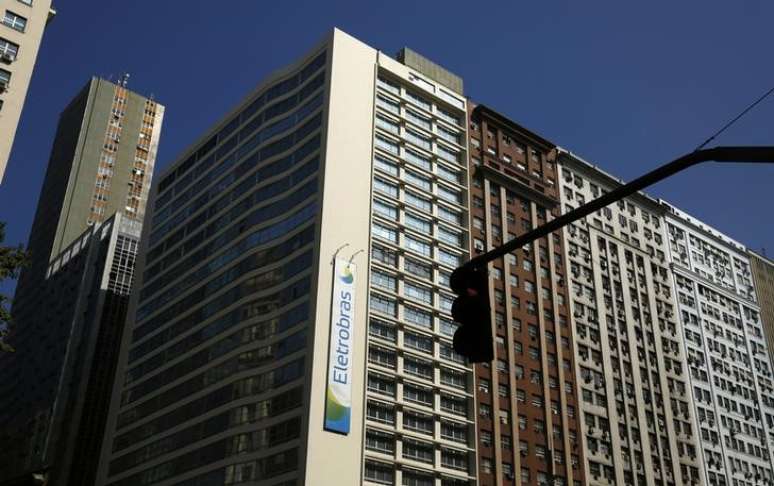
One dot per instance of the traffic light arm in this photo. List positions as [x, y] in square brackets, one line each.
[717, 154]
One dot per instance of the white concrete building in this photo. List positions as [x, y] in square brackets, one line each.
[635, 401]
[731, 379]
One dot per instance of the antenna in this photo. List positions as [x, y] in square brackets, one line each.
[125, 80]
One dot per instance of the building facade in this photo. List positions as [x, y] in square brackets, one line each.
[100, 166]
[101, 163]
[639, 424]
[56, 387]
[726, 351]
[244, 360]
[528, 415]
[763, 276]
[20, 35]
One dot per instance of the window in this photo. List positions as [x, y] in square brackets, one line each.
[388, 105]
[417, 394]
[417, 367]
[387, 124]
[384, 255]
[385, 187]
[418, 268]
[418, 119]
[8, 49]
[454, 459]
[389, 86]
[447, 327]
[381, 385]
[419, 293]
[382, 330]
[380, 441]
[5, 79]
[449, 195]
[421, 247]
[384, 232]
[418, 160]
[418, 100]
[448, 215]
[418, 202]
[15, 21]
[416, 341]
[453, 378]
[386, 144]
[379, 473]
[450, 237]
[422, 225]
[387, 210]
[447, 154]
[418, 422]
[449, 135]
[416, 478]
[448, 258]
[448, 117]
[417, 317]
[448, 174]
[383, 280]
[381, 412]
[418, 180]
[418, 140]
[382, 304]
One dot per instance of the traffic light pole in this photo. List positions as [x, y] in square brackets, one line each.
[717, 154]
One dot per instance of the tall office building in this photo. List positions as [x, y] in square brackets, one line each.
[101, 163]
[292, 325]
[762, 269]
[56, 388]
[639, 424]
[528, 420]
[730, 369]
[20, 35]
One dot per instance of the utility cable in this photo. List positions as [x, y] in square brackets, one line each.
[734, 120]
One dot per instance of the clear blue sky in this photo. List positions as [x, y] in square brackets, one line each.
[626, 85]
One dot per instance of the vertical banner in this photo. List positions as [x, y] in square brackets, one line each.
[338, 399]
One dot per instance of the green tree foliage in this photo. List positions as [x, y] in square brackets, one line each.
[11, 261]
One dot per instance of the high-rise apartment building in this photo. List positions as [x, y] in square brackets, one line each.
[528, 417]
[639, 424]
[292, 321]
[23, 23]
[726, 352]
[763, 276]
[56, 387]
[100, 165]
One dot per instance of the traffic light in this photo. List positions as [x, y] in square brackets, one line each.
[470, 309]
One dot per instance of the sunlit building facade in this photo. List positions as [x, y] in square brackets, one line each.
[244, 361]
[639, 425]
[528, 416]
[726, 351]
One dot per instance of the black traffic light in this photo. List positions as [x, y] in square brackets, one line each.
[470, 309]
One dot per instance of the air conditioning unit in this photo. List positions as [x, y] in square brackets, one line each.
[7, 57]
[3, 86]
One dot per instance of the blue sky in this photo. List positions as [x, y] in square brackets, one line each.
[626, 85]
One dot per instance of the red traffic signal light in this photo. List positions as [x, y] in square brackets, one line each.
[473, 339]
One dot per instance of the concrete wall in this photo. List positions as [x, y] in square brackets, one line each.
[331, 458]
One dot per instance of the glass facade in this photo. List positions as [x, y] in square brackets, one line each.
[222, 320]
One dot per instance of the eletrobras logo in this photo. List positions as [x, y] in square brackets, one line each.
[338, 399]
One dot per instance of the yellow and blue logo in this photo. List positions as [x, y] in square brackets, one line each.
[346, 276]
